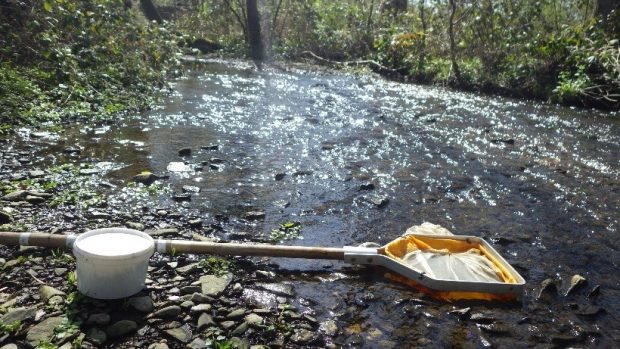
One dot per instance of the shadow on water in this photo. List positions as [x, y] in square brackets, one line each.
[357, 158]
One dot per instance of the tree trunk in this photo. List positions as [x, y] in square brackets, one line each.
[150, 11]
[422, 60]
[257, 51]
[455, 66]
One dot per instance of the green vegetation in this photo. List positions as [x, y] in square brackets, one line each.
[566, 51]
[62, 59]
[286, 231]
[217, 266]
[9, 328]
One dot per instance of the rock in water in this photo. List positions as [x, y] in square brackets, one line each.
[577, 282]
[147, 178]
[547, 287]
[185, 151]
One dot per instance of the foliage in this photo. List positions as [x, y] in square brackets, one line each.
[10, 327]
[286, 231]
[564, 51]
[64, 59]
[217, 266]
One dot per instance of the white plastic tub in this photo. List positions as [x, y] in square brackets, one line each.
[112, 262]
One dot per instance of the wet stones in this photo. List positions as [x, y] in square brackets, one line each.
[254, 215]
[210, 147]
[185, 152]
[284, 290]
[191, 189]
[182, 197]
[304, 337]
[147, 178]
[577, 282]
[378, 201]
[548, 288]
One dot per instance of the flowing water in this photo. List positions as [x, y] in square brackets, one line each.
[359, 158]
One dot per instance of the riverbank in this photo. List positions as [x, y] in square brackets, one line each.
[81, 60]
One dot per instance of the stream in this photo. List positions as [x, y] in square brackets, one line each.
[356, 158]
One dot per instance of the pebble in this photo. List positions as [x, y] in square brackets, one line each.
[254, 215]
[235, 314]
[205, 320]
[227, 324]
[158, 346]
[200, 308]
[100, 319]
[329, 328]
[378, 201]
[189, 289]
[213, 285]
[186, 269]
[200, 298]
[48, 292]
[143, 304]
[279, 176]
[135, 225]
[197, 343]
[121, 328]
[43, 331]
[190, 189]
[253, 319]
[240, 330]
[481, 318]
[182, 334]
[284, 290]
[167, 312]
[303, 336]
[210, 147]
[216, 161]
[35, 200]
[18, 314]
[96, 336]
[195, 223]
